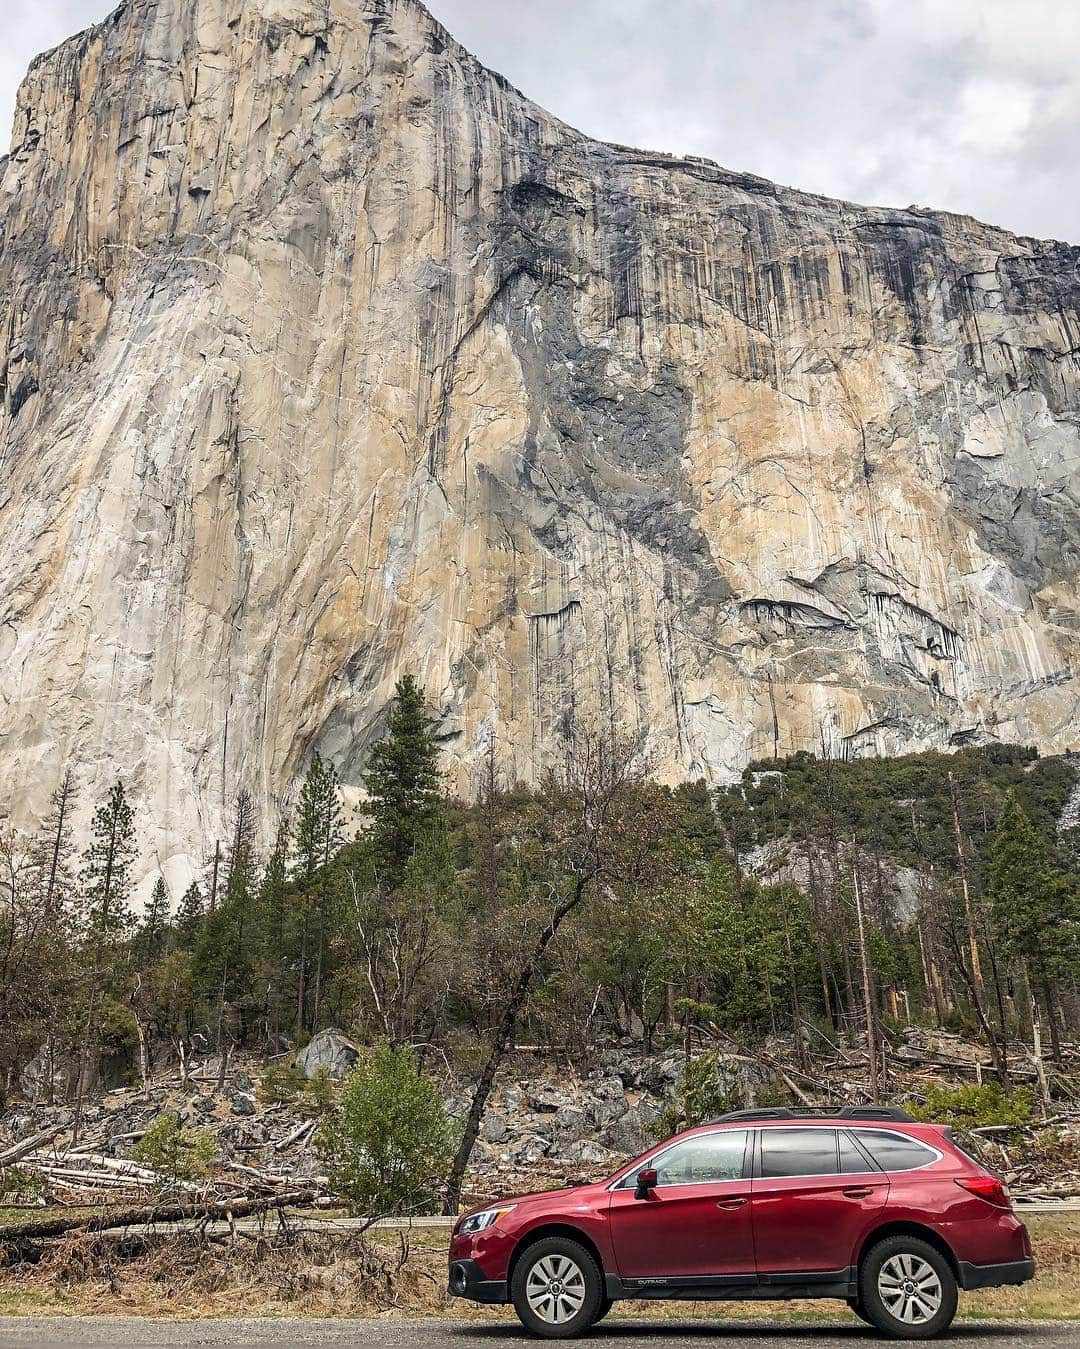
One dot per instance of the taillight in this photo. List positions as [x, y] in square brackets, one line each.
[986, 1187]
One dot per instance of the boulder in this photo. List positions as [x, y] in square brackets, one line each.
[545, 1098]
[572, 1121]
[609, 1102]
[628, 1134]
[493, 1129]
[329, 1049]
[586, 1153]
[54, 1077]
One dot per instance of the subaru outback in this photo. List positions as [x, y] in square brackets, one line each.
[862, 1204]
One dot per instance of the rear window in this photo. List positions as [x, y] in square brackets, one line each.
[895, 1152]
[798, 1152]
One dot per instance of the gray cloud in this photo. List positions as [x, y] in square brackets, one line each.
[965, 105]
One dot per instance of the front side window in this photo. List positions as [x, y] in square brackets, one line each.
[698, 1161]
[895, 1152]
[798, 1152]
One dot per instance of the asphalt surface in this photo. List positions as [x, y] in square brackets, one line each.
[433, 1334]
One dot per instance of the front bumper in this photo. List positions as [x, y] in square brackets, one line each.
[467, 1280]
[992, 1276]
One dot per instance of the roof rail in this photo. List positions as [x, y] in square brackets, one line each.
[766, 1112]
[881, 1112]
[890, 1113]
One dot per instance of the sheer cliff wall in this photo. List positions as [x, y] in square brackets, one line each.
[325, 355]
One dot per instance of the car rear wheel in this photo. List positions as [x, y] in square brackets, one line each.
[557, 1289]
[907, 1289]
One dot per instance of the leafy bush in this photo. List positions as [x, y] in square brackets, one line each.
[388, 1144]
[975, 1107]
[288, 1085]
[281, 1084]
[703, 1093]
[174, 1152]
[16, 1180]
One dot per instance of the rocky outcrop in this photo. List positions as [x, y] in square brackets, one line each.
[325, 354]
[329, 1051]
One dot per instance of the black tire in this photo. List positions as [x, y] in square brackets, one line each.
[859, 1310]
[907, 1289]
[557, 1289]
[605, 1306]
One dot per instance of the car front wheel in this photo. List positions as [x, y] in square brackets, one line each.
[557, 1289]
[907, 1289]
[859, 1310]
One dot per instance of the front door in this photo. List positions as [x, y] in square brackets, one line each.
[815, 1198]
[695, 1225]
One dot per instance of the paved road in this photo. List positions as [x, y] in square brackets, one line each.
[502, 1334]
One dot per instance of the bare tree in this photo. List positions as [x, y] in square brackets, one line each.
[592, 825]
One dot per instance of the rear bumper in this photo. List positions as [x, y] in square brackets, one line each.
[992, 1276]
[467, 1280]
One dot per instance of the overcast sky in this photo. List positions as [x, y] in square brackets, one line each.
[965, 105]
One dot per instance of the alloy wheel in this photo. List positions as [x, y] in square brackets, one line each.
[555, 1289]
[910, 1289]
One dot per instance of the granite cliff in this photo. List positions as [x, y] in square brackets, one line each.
[326, 354]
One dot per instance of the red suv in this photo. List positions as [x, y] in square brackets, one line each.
[862, 1204]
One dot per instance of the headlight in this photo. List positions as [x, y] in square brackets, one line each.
[479, 1222]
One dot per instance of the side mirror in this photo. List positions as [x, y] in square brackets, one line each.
[646, 1183]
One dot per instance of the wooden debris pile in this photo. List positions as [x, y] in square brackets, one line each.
[262, 1151]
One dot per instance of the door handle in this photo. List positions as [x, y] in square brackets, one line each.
[858, 1191]
[734, 1201]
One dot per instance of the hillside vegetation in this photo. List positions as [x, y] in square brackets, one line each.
[826, 902]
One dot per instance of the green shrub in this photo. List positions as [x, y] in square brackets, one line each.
[281, 1084]
[702, 1094]
[388, 1144]
[975, 1107]
[174, 1152]
[288, 1085]
[16, 1180]
[319, 1092]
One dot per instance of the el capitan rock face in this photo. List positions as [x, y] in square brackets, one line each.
[326, 355]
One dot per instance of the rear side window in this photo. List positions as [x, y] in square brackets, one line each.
[798, 1152]
[894, 1152]
[852, 1160]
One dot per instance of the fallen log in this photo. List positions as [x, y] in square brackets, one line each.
[98, 1162]
[148, 1216]
[14, 1154]
[295, 1136]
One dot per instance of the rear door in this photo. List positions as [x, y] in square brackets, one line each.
[815, 1195]
[696, 1223]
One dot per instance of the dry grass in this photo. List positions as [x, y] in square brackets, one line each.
[277, 1273]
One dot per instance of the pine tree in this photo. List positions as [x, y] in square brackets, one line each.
[1030, 905]
[189, 917]
[242, 863]
[106, 873]
[1018, 882]
[105, 882]
[317, 837]
[403, 782]
[154, 924]
[273, 905]
[53, 847]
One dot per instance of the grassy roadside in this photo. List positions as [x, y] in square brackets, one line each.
[404, 1274]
